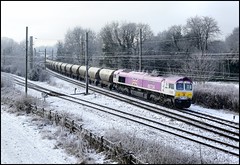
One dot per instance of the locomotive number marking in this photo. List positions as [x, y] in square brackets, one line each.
[134, 82]
[151, 86]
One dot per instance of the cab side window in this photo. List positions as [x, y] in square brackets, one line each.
[171, 86]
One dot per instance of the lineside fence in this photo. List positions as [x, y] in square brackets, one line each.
[101, 143]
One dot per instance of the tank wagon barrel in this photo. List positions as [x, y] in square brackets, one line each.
[93, 73]
[63, 68]
[82, 72]
[75, 71]
[68, 69]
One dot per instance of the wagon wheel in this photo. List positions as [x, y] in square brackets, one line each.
[96, 83]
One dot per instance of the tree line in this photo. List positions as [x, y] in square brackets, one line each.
[191, 49]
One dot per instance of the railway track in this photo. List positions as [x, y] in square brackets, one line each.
[205, 140]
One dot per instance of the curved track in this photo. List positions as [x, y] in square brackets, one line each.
[210, 142]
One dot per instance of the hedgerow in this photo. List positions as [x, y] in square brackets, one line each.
[216, 96]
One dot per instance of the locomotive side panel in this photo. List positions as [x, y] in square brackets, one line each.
[152, 84]
[134, 80]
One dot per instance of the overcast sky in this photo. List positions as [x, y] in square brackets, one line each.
[48, 21]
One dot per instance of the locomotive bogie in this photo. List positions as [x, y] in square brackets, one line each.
[182, 103]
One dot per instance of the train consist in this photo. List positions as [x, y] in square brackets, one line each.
[174, 90]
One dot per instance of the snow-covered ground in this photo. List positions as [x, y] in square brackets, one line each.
[21, 143]
[102, 123]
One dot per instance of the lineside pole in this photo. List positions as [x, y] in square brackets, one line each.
[140, 52]
[52, 54]
[86, 62]
[26, 62]
[45, 58]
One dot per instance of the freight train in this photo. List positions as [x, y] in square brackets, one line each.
[172, 90]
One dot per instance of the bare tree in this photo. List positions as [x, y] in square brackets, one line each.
[200, 30]
[200, 67]
[73, 45]
[176, 35]
[60, 52]
[12, 56]
[123, 39]
[232, 41]
[109, 37]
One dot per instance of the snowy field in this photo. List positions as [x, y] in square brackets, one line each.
[21, 143]
[97, 122]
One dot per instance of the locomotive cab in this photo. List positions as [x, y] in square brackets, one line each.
[183, 93]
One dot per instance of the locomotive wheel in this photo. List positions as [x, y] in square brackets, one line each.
[151, 98]
[148, 96]
[126, 91]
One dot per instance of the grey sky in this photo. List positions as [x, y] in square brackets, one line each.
[49, 21]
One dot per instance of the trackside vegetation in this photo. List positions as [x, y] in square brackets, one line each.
[217, 96]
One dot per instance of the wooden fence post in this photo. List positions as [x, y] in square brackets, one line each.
[35, 109]
[81, 127]
[130, 159]
[90, 137]
[49, 115]
[63, 121]
[101, 145]
[71, 127]
[42, 112]
[56, 118]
